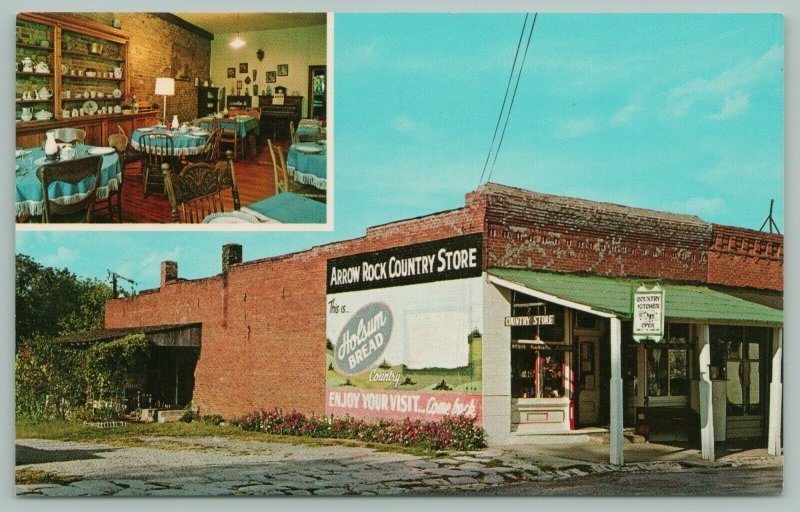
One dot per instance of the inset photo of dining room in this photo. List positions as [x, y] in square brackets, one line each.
[193, 118]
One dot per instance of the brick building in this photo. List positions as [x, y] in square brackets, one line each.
[515, 308]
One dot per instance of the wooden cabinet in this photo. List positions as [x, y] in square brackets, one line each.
[208, 101]
[241, 102]
[97, 127]
[76, 63]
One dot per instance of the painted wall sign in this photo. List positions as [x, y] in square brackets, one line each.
[421, 405]
[517, 321]
[648, 313]
[451, 258]
[363, 339]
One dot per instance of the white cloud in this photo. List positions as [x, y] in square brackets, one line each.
[626, 113]
[733, 105]
[156, 257]
[63, 257]
[698, 206]
[573, 128]
[728, 84]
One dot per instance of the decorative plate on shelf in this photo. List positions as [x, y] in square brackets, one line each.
[90, 107]
[230, 218]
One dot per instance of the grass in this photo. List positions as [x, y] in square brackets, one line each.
[148, 434]
[32, 477]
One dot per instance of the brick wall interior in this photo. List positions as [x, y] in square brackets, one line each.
[264, 321]
[150, 56]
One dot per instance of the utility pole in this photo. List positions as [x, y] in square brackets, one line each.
[770, 220]
[113, 276]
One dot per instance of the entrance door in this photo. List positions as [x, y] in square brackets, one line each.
[746, 384]
[588, 373]
[317, 92]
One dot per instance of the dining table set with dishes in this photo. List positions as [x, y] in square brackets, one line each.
[29, 194]
[310, 129]
[186, 140]
[307, 163]
[242, 124]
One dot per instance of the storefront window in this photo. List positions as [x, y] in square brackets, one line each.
[537, 373]
[668, 363]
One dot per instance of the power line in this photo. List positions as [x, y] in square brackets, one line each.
[513, 96]
[505, 97]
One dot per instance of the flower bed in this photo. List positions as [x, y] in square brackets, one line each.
[450, 433]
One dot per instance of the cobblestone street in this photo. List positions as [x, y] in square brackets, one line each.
[220, 466]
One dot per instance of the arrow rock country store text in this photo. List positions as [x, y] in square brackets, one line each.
[515, 309]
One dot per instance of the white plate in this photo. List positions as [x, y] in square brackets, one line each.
[144, 130]
[199, 133]
[230, 218]
[308, 148]
[101, 151]
[90, 107]
[22, 152]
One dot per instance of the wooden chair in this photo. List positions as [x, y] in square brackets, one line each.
[120, 144]
[286, 206]
[196, 191]
[70, 135]
[231, 136]
[131, 155]
[284, 183]
[157, 149]
[72, 172]
[210, 151]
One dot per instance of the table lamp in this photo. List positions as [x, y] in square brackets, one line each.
[165, 87]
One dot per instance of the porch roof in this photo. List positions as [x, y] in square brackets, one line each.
[609, 296]
[168, 335]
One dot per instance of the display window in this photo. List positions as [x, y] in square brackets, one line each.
[667, 363]
[738, 353]
[537, 373]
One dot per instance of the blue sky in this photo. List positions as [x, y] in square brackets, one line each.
[682, 113]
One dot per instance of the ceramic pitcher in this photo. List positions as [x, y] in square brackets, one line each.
[51, 146]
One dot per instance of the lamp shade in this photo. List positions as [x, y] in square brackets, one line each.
[165, 86]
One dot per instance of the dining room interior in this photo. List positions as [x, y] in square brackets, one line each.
[197, 117]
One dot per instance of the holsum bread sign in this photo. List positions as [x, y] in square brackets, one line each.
[363, 339]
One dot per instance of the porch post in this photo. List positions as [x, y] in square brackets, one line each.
[776, 393]
[706, 402]
[617, 439]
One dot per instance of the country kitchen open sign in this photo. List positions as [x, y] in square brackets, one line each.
[648, 313]
[363, 339]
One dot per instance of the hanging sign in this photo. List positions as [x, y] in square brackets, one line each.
[531, 320]
[648, 313]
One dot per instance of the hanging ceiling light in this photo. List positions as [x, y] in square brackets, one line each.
[237, 41]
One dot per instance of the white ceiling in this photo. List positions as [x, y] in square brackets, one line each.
[225, 23]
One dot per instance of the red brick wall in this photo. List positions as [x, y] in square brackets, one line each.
[742, 257]
[150, 56]
[263, 332]
[529, 230]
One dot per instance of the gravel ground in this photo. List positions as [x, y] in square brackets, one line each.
[214, 466]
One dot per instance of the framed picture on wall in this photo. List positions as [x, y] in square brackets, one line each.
[238, 84]
[180, 62]
[283, 70]
[242, 67]
[231, 72]
[271, 78]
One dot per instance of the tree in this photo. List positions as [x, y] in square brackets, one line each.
[52, 302]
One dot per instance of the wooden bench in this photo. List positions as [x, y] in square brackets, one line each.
[666, 420]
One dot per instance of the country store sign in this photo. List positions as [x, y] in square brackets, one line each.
[648, 313]
[450, 258]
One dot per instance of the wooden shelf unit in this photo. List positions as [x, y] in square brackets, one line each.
[63, 29]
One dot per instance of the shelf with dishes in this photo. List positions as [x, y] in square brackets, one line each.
[82, 55]
[84, 77]
[29, 46]
[34, 73]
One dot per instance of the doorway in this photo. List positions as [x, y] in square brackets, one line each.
[317, 92]
[588, 381]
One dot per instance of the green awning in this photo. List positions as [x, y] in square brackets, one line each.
[613, 296]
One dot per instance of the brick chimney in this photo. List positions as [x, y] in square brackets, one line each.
[231, 255]
[169, 272]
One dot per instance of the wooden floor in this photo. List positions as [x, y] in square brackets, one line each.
[254, 177]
